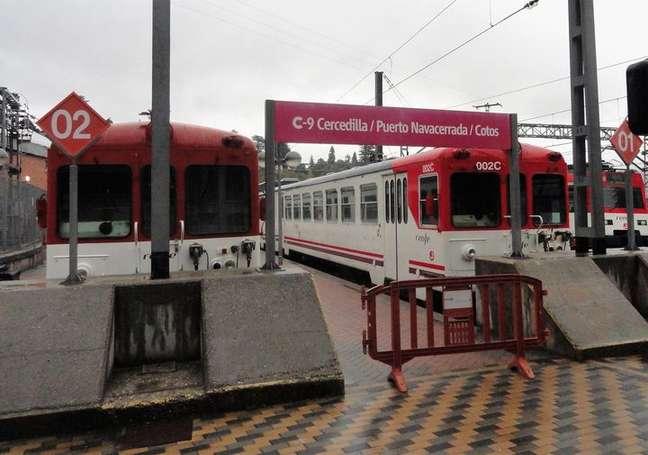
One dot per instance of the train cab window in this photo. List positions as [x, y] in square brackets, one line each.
[614, 198]
[217, 199]
[318, 207]
[392, 212]
[475, 199]
[145, 192]
[331, 206]
[105, 201]
[297, 207]
[429, 201]
[288, 207]
[399, 208]
[347, 204]
[306, 207]
[523, 198]
[404, 200]
[386, 202]
[549, 198]
[369, 203]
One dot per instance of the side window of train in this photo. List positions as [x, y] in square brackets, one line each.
[405, 200]
[331, 206]
[347, 204]
[288, 207]
[398, 200]
[318, 207]
[429, 201]
[145, 192]
[217, 199]
[306, 208]
[369, 203]
[297, 207]
[392, 211]
[105, 201]
[386, 202]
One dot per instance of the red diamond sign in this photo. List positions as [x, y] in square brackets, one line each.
[73, 125]
[626, 144]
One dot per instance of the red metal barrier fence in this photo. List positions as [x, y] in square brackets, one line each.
[510, 307]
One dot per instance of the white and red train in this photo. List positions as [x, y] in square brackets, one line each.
[614, 207]
[214, 203]
[427, 214]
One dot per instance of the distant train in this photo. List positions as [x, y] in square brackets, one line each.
[614, 206]
[214, 220]
[428, 214]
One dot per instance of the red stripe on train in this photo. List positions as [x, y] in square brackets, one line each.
[341, 248]
[427, 264]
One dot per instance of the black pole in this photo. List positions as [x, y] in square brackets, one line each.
[270, 146]
[160, 140]
[378, 77]
[629, 200]
[515, 198]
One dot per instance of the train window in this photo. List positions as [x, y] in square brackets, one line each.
[105, 201]
[297, 207]
[217, 199]
[475, 199]
[523, 198]
[145, 191]
[369, 203]
[288, 207]
[347, 203]
[331, 206]
[429, 201]
[318, 206]
[391, 202]
[386, 202]
[306, 211]
[404, 200]
[549, 198]
[398, 201]
[614, 198]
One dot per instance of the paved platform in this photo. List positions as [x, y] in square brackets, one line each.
[464, 403]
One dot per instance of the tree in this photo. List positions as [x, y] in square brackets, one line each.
[354, 159]
[311, 162]
[259, 141]
[367, 154]
[331, 156]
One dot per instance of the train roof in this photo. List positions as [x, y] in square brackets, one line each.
[183, 135]
[529, 152]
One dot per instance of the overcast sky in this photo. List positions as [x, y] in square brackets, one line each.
[228, 56]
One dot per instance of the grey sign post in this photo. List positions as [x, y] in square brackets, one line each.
[270, 146]
[629, 200]
[73, 222]
[514, 185]
[160, 140]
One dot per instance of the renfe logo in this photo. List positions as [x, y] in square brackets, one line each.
[349, 124]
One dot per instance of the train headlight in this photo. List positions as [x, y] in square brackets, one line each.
[642, 222]
[469, 252]
[229, 264]
[608, 222]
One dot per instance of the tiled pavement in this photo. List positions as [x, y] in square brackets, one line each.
[591, 407]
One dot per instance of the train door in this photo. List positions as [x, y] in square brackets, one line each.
[393, 217]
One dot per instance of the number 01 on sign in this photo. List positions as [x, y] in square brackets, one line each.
[73, 126]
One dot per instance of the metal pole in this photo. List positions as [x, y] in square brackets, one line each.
[514, 169]
[270, 155]
[378, 86]
[73, 224]
[280, 215]
[160, 140]
[629, 200]
[4, 223]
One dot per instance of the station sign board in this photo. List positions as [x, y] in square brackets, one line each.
[353, 124]
[73, 125]
[625, 143]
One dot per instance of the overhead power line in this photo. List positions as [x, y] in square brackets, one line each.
[541, 84]
[402, 45]
[527, 5]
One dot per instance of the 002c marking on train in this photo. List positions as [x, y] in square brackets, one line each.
[488, 165]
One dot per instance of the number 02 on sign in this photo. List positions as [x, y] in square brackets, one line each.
[73, 125]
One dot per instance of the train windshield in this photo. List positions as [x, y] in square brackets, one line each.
[475, 199]
[549, 198]
[614, 198]
[104, 203]
[217, 199]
